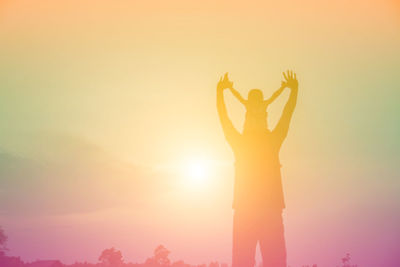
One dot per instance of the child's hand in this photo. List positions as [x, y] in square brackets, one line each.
[291, 80]
[224, 83]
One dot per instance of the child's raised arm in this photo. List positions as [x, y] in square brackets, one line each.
[275, 95]
[238, 96]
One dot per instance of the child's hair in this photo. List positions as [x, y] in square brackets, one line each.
[255, 95]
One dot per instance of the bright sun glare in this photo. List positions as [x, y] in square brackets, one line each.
[196, 172]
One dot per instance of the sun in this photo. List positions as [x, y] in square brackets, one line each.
[196, 172]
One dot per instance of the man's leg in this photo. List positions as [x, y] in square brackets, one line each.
[244, 240]
[272, 240]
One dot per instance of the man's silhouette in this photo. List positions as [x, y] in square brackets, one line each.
[258, 196]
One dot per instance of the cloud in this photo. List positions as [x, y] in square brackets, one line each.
[64, 174]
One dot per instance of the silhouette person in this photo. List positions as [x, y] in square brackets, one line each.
[258, 195]
[256, 112]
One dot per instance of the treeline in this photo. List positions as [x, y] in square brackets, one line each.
[113, 258]
[108, 258]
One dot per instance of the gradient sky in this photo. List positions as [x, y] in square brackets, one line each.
[101, 103]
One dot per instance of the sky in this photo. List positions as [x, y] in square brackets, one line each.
[108, 110]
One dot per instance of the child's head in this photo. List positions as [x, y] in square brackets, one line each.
[255, 97]
[256, 115]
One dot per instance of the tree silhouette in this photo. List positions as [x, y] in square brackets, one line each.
[3, 241]
[346, 261]
[111, 257]
[160, 257]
